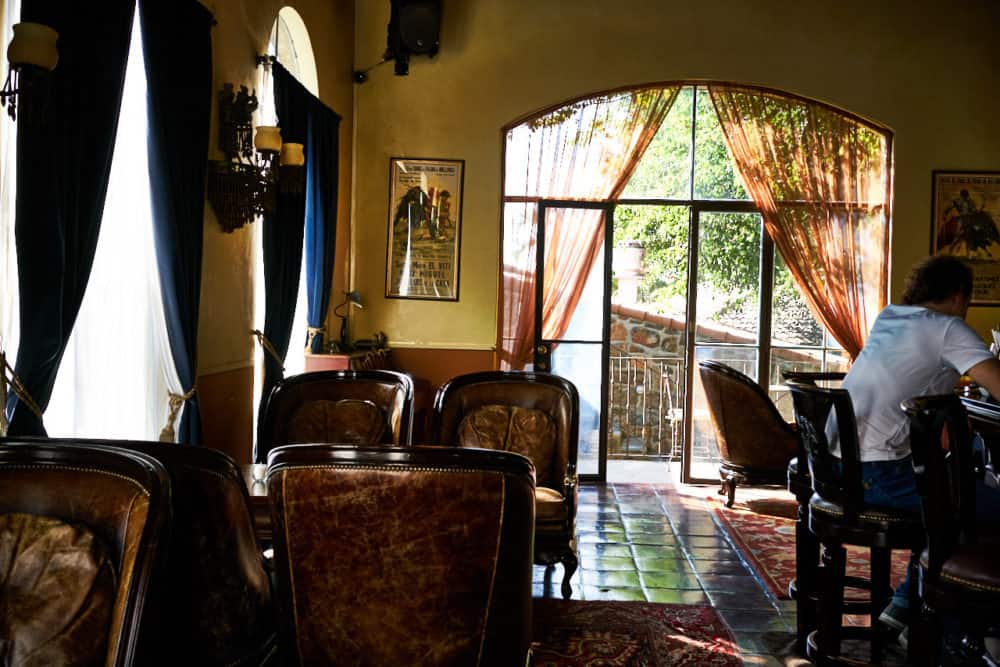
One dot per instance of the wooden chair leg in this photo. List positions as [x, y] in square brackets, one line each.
[570, 564]
[806, 578]
[728, 488]
[924, 646]
[880, 562]
[827, 636]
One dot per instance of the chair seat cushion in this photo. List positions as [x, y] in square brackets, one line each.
[57, 592]
[347, 421]
[550, 507]
[525, 431]
[835, 511]
[972, 567]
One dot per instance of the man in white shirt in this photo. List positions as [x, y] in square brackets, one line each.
[914, 349]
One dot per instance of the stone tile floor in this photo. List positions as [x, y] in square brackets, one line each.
[644, 536]
[658, 542]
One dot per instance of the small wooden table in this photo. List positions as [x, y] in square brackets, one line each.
[259, 508]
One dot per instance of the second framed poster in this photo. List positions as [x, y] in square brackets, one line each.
[425, 212]
[966, 210]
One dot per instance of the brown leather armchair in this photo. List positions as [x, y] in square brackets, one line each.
[70, 512]
[212, 605]
[755, 442]
[534, 414]
[402, 556]
[358, 407]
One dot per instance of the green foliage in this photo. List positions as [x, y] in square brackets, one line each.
[663, 231]
[730, 242]
[729, 254]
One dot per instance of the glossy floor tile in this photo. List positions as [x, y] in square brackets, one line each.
[660, 543]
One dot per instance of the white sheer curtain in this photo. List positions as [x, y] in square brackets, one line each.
[114, 377]
[9, 317]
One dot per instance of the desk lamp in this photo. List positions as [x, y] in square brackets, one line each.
[350, 298]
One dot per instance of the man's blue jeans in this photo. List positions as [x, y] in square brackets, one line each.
[892, 484]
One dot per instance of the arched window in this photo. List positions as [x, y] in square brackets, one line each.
[290, 44]
[701, 184]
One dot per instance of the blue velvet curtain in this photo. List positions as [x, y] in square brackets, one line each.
[64, 155]
[282, 240]
[177, 47]
[306, 120]
[322, 158]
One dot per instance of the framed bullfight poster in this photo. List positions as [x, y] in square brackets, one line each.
[966, 209]
[425, 211]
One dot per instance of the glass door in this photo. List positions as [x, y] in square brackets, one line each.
[731, 256]
[572, 314]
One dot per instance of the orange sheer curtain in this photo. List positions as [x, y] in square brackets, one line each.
[821, 179]
[584, 151]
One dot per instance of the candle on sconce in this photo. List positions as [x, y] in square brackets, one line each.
[292, 155]
[267, 138]
[34, 44]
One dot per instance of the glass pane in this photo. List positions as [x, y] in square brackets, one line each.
[704, 448]
[648, 316]
[728, 278]
[831, 342]
[650, 261]
[809, 360]
[588, 318]
[792, 323]
[715, 174]
[567, 232]
[782, 360]
[645, 406]
[837, 360]
[665, 169]
[580, 363]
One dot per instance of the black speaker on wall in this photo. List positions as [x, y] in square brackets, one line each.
[414, 29]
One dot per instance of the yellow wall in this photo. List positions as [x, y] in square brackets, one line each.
[242, 32]
[929, 70]
[225, 348]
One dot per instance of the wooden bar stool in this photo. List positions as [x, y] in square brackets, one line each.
[838, 517]
[959, 570]
[804, 588]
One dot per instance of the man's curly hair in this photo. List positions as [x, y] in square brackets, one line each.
[937, 278]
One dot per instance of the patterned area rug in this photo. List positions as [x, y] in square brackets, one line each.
[573, 633]
[765, 534]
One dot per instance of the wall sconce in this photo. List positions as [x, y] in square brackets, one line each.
[32, 55]
[246, 183]
[350, 298]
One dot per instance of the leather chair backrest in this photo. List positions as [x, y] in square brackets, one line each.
[941, 444]
[749, 430]
[213, 600]
[401, 556]
[122, 497]
[543, 401]
[302, 407]
[820, 413]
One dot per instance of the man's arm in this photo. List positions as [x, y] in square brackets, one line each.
[987, 374]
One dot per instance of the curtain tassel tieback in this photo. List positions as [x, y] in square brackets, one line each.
[268, 346]
[311, 333]
[9, 378]
[176, 402]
